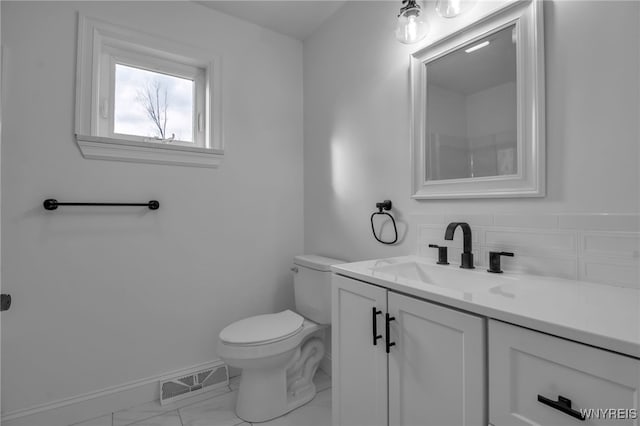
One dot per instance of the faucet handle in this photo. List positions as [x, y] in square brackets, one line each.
[494, 261]
[442, 254]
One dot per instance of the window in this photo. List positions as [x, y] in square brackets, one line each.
[144, 99]
[149, 104]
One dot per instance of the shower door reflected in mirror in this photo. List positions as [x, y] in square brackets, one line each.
[472, 110]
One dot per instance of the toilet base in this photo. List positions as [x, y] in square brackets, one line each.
[267, 393]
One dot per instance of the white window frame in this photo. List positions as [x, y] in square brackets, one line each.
[100, 46]
[110, 57]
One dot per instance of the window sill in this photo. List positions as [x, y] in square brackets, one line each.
[102, 148]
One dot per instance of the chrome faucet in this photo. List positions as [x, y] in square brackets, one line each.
[467, 255]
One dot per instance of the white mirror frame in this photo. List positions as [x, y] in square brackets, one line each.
[530, 179]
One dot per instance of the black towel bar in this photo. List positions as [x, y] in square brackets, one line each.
[52, 204]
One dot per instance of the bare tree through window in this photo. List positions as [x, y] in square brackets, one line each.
[153, 98]
[153, 105]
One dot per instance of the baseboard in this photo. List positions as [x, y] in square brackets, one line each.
[64, 412]
[325, 364]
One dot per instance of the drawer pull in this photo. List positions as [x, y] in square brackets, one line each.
[374, 315]
[562, 404]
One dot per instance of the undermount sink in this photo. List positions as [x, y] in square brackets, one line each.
[445, 276]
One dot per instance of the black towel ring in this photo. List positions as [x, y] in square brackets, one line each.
[385, 205]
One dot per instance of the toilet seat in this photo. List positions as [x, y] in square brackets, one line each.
[262, 329]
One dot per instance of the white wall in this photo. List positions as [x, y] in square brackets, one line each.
[107, 296]
[356, 82]
[492, 111]
[446, 110]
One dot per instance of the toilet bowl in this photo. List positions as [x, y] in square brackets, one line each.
[279, 353]
[276, 377]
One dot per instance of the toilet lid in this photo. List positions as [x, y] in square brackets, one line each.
[263, 328]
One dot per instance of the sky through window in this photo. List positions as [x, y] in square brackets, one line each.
[140, 93]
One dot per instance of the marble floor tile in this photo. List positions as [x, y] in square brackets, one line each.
[217, 408]
[151, 409]
[219, 411]
[138, 413]
[172, 418]
[315, 413]
[99, 421]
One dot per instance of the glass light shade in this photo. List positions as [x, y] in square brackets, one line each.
[449, 8]
[411, 26]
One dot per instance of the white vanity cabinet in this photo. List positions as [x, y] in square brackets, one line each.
[403, 361]
[526, 366]
[359, 369]
[470, 348]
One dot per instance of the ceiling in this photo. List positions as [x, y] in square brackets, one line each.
[297, 19]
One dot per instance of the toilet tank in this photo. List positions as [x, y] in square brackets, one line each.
[312, 287]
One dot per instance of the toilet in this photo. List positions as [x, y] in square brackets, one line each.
[279, 353]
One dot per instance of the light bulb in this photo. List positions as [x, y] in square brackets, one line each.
[452, 8]
[478, 46]
[411, 26]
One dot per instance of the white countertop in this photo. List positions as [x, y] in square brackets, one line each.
[599, 315]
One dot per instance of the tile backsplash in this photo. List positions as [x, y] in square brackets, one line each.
[602, 248]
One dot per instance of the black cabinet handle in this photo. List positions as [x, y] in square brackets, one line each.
[389, 343]
[562, 404]
[374, 316]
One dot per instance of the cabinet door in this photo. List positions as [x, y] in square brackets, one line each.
[359, 376]
[524, 364]
[436, 368]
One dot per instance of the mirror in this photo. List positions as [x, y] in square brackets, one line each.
[471, 110]
[478, 109]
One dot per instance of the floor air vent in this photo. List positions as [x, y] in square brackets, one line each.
[193, 383]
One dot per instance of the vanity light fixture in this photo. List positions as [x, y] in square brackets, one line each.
[477, 46]
[449, 8]
[411, 26]
[452, 8]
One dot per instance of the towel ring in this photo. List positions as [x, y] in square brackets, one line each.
[385, 205]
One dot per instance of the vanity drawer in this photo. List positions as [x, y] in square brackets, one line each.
[524, 364]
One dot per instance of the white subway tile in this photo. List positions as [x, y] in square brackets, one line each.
[429, 231]
[471, 219]
[526, 221]
[544, 240]
[434, 234]
[428, 219]
[603, 248]
[608, 271]
[427, 252]
[549, 266]
[623, 245]
[600, 222]
[430, 234]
